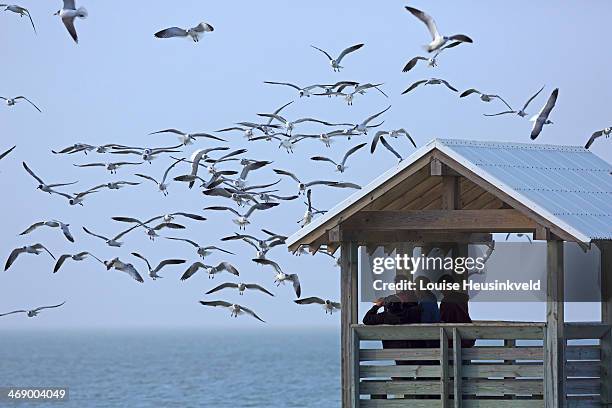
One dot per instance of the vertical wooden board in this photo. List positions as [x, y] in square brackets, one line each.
[606, 318]
[457, 364]
[444, 369]
[554, 350]
[349, 301]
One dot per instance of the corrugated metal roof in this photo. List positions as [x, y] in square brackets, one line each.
[568, 185]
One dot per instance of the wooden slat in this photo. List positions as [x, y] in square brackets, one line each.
[399, 191]
[429, 371]
[594, 330]
[442, 220]
[470, 386]
[424, 192]
[399, 354]
[485, 403]
[467, 331]
[582, 352]
[475, 353]
[502, 370]
[583, 386]
[379, 238]
[582, 369]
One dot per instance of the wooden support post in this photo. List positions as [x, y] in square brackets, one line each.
[554, 357]
[457, 365]
[444, 369]
[350, 302]
[606, 318]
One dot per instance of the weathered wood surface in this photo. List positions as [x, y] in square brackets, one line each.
[444, 370]
[496, 403]
[477, 353]
[554, 357]
[489, 221]
[493, 330]
[457, 368]
[587, 330]
[348, 296]
[606, 318]
[481, 387]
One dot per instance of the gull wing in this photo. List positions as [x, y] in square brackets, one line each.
[222, 286]
[427, 20]
[48, 307]
[171, 33]
[323, 51]
[255, 286]
[310, 300]
[215, 303]
[252, 313]
[347, 51]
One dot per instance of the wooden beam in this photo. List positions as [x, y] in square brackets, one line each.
[457, 365]
[334, 234]
[444, 369]
[349, 302]
[441, 220]
[450, 193]
[554, 355]
[419, 237]
[606, 318]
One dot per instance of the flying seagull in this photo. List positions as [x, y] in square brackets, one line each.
[303, 186]
[483, 96]
[281, 277]
[194, 32]
[111, 167]
[22, 11]
[379, 136]
[262, 246]
[521, 112]
[188, 138]
[541, 118]
[310, 211]
[520, 235]
[302, 91]
[235, 308]
[15, 100]
[211, 270]
[115, 185]
[42, 186]
[243, 219]
[150, 231]
[342, 165]
[68, 13]
[364, 126]
[6, 153]
[81, 256]
[153, 271]
[335, 62]
[202, 251]
[432, 61]
[35, 249]
[328, 305]
[604, 132]
[161, 185]
[395, 134]
[432, 81]
[241, 288]
[78, 198]
[53, 224]
[438, 40]
[124, 267]
[33, 312]
[112, 242]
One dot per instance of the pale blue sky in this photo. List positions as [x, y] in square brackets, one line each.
[120, 83]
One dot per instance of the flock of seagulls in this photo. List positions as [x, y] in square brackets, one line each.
[219, 173]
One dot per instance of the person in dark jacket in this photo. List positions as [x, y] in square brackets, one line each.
[400, 308]
[454, 308]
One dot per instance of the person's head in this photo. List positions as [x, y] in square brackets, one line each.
[446, 280]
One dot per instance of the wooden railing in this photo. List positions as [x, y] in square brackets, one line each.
[504, 369]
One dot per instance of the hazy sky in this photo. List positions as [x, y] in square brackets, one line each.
[120, 83]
